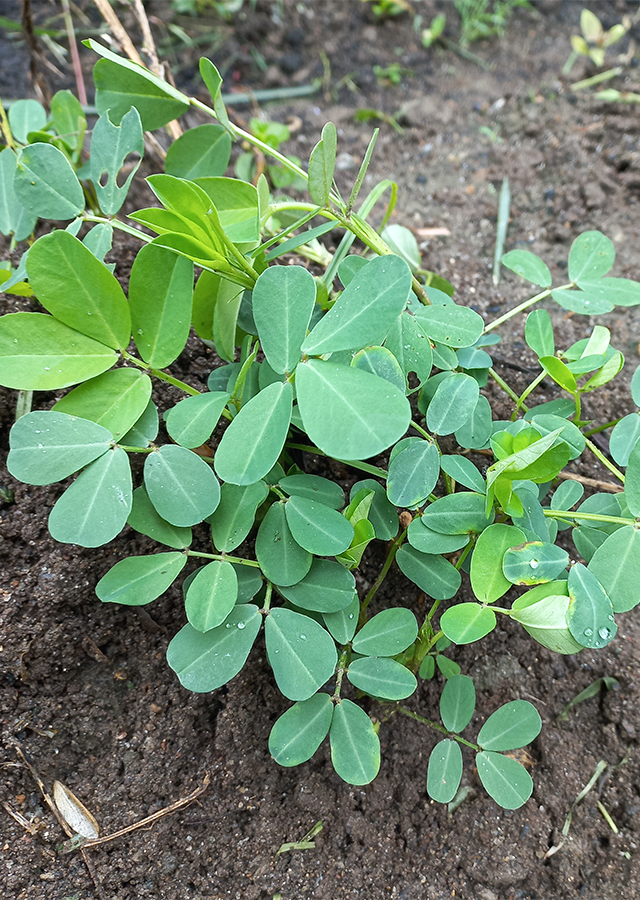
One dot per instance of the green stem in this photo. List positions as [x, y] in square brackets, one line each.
[224, 557]
[267, 599]
[120, 226]
[420, 430]
[343, 664]
[158, 373]
[522, 306]
[578, 401]
[136, 449]
[603, 459]
[355, 464]
[438, 727]
[505, 387]
[602, 427]
[464, 554]
[391, 555]
[588, 517]
[523, 396]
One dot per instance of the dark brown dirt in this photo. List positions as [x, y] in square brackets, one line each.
[86, 689]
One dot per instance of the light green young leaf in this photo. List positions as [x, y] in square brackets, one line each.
[282, 560]
[144, 518]
[300, 730]
[283, 300]
[211, 595]
[213, 81]
[487, 579]
[201, 152]
[433, 574]
[95, 508]
[138, 580]
[624, 437]
[382, 677]
[191, 421]
[252, 443]
[45, 183]
[538, 333]
[236, 204]
[46, 447]
[180, 485]
[39, 353]
[322, 163]
[355, 747]
[467, 622]
[402, 242]
[110, 146]
[347, 413]
[211, 288]
[204, 662]
[542, 612]
[382, 514]
[78, 289]
[301, 653]
[463, 471]
[444, 772]
[366, 309]
[115, 400]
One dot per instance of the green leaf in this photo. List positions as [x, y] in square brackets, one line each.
[305, 237]
[138, 580]
[467, 622]
[181, 486]
[145, 430]
[463, 471]
[382, 677]
[322, 163]
[144, 518]
[427, 541]
[115, 400]
[46, 185]
[617, 291]
[366, 309]
[191, 421]
[543, 614]
[252, 443]
[211, 595]
[212, 291]
[453, 404]
[78, 289]
[382, 514]
[283, 300]
[301, 653]
[204, 662]
[566, 495]
[349, 268]
[299, 731]
[46, 447]
[39, 353]
[504, 779]
[538, 333]
[347, 413]
[14, 218]
[457, 703]
[635, 386]
[95, 508]
[582, 302]
[201, 152]
[410, 345]
[624, 437]
[616, 565]
[428, 668]
[110, 146]
[26, 116]
[460, 513]
[282, 560]
[529, 266]
[249, 582]
[233, 519]
[447, 666]
[591, 256]
[342, 624]
[236, 204]
[326, 588]
[444, 772]
[314, 487]
[512, 726]
[355, 747]
[213, 81]
[436, 576]
[476, 432]
[381, 362]
[413, 474]
[535, 562]
[402, 242]
[387, 633]
[632, 481]
[452, 325]
[318, 528]
[571, 435]
[590, 614]
[160, 292]
[68, 118]
[487, 578]
[540, 461]
[121, 84]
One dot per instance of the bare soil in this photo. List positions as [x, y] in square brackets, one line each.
[86, 691]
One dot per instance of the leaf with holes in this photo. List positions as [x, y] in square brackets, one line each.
[110, 146]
